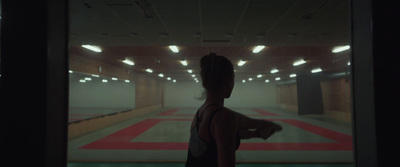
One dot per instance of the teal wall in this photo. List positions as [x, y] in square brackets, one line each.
[97, 94]
[249, 94]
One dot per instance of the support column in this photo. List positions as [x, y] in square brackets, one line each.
[34, 82]
[309, 94]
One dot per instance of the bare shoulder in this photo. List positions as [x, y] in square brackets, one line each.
[225, 115]
[224, 125]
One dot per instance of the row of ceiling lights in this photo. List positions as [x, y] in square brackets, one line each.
[275, 70]
[87, 79]
[161, 75]
[173, 48]
[127, 61]
[297, 63]
[302, 61]
[256, 49]
[267, 80]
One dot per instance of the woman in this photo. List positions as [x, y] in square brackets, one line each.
[216, 131]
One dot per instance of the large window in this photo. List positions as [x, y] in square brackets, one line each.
[134, 76]
[0, 41]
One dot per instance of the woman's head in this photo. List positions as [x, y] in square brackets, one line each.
[217, 75]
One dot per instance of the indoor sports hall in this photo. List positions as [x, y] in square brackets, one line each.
[135, 85]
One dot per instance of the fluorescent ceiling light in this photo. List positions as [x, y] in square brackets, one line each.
[104, 80]
[193, 75]
[243, 81]
[92, 48]
[149, 70]
[274, 71]
[184, 62]
[70, 71]
[94, 75]
[241, 63]
[174, 80]
[127, 81]
[292, 75]
[299, 62]
[259, 76]
[339, 74]
[82, 81]
[340, 49]
[88, 78]
[126, 61]
[174, 48]
[250, 79]
[190, 71]
[114, 79]
[161, 75]
[348, 63]
[169, 78]
[315, 70]
[258, 48]
[277, 78]
[267, 80]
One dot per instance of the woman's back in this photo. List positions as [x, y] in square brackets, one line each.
[215, 134]
[202, 146]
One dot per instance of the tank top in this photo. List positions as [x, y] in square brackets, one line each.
[202, 153]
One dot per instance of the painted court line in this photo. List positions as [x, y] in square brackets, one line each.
[121, 140]
[74, 119]
[172, 112]
[263, 113]
[84, 115]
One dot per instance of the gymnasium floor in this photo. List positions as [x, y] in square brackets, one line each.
[81, 114]
[162, 136]
[96, 164]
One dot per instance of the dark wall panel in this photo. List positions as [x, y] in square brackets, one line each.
[309, 95]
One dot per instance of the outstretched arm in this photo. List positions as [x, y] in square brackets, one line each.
[248, 134]
[250, 128]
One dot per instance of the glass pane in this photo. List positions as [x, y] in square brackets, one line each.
[0, 41]
[135, 82]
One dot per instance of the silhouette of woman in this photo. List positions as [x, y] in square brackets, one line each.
[216, 130]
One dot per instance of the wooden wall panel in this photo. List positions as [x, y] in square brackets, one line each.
[147, 90]
[336, 96]
[87, 126]
[292, 94]
[287, 97]
[91, 66]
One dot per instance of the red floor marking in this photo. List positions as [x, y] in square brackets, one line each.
[169, 112]
[265, 113]
[327, 133]
[130, 132]
[172, 112]
[295, 146]
[74, 119]
[121, 140]
[85, 115]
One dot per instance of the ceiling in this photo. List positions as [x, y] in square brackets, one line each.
[142, 30]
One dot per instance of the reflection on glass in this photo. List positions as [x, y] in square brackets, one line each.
[92, 96]
[133, 95]
[0, 41]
